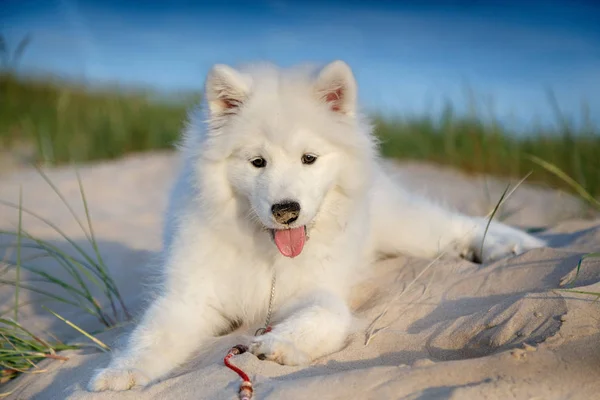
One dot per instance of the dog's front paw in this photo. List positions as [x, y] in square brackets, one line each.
[272, 347]
[498, 242]
[117, 380]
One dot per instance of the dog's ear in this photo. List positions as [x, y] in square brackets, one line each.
[336, 86]
[225, 90]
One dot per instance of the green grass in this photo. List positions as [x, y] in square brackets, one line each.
[478, 147]
[72, 123]
[85, 269]
[67, 122]
[20, 348]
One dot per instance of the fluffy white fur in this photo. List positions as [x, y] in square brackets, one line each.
[219, 222]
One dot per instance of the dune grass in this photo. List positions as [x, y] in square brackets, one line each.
[85, 269]
[65, 123]
[20, 348]
[475, 146]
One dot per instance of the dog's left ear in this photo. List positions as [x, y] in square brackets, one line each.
[336, 86]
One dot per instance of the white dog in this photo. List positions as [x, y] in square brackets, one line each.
[282, 177]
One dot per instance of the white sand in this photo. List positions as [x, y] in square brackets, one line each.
[458, 332]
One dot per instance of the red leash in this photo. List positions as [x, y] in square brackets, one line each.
[246, 390]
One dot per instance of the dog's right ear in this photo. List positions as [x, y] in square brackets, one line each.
[225, 90]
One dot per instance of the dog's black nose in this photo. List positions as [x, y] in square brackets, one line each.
[286, 212]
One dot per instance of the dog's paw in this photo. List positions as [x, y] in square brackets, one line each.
[272, 347]
[117, 380]
[498, 242]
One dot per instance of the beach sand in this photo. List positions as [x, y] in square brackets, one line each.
[447, 330]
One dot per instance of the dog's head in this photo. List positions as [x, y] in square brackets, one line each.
[287, 140]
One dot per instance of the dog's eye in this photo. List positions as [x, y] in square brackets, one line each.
[308, 159]
[259, 162]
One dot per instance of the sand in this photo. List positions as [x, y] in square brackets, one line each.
[459, 331]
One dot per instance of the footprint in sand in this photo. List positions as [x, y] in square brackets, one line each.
[528, 318]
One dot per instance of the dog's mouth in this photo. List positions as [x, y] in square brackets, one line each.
[290, 242]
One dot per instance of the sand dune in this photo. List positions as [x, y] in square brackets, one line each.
[459, 331]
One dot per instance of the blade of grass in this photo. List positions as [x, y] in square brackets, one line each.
[590, 255]
[514, 189]
[97, 251]
[33, 354]
[64, 200]
[491, 218]
[72, 325]
[501, 202]
[595, 294]
[18, 265]
[583, 193]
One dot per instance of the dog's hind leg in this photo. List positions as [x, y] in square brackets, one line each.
[404, 223]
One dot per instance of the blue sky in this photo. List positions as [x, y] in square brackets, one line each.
[408, 56]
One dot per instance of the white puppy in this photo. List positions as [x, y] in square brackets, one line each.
[282, 176]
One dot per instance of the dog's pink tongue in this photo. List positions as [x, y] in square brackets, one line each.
[290, 241]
